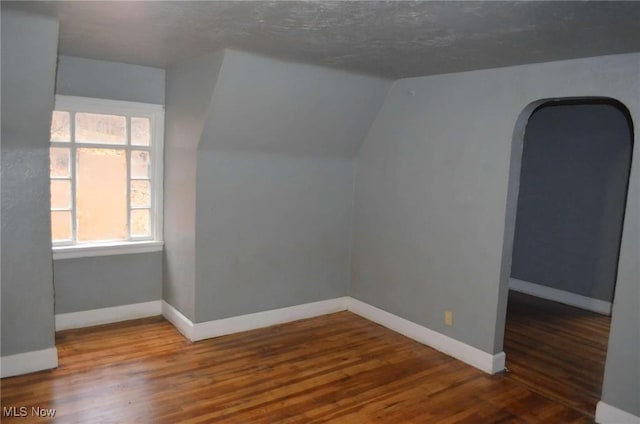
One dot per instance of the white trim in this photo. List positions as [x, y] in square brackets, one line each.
[221, 327]
[107, 315]
[607, 414]
[157, 175]
[27, 362]
[120, 248]
[498, 363]
[155, 113]
[175, 317]
[475, 357]
[561, 296]
[204, 330]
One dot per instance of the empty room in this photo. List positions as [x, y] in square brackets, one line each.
[320, 211]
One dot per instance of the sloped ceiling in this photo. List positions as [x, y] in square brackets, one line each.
[392, 39]
[266, 105]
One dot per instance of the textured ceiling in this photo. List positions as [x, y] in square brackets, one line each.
[388, 38]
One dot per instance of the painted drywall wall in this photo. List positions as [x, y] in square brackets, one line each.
[189, 89]
[109, 80]
[272, 232]
[269, 106]
[29, 45]
[621, 384]
[275, 182]
[431, 213]
[98, 282]
[573, 185]
[83, 284]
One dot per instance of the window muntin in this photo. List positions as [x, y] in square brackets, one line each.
[100, 128]
[105, 170]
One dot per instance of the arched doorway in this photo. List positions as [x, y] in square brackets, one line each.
[566, 206]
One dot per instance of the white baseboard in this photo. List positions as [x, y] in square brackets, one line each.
[175, 317]
[204, 330]
[561, 296]
[27, 362]
[221, 327]
[475, 357]
[107, 315]
[607, 414]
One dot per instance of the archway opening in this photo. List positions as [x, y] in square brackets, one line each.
[573, 182]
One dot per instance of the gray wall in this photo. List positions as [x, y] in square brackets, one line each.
[189, 89]
[274, 184]
[109, 80]
[272, 232]
[573, 184]
[102, 281]
[83, 284]
[29, 45]
[259, 173]
[433, 219]
[99, 282]
[621, 386]
[269, 106]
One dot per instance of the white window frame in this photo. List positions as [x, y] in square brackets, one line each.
[155, 112]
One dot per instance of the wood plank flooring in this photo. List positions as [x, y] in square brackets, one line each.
[336, 368]
[556, 350]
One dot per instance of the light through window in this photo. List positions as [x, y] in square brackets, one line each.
[104, 167]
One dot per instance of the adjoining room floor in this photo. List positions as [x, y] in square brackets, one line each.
[556, 350]
[336, 368]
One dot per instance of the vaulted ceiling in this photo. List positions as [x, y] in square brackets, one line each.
[393, 39]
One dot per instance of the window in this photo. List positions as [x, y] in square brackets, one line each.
[106, 176]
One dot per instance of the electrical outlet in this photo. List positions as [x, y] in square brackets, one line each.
[448, 318]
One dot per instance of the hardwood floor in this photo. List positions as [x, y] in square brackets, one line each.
[556, 350]
[336, 368]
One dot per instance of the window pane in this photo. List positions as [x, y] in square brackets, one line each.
[140, 131]
[60, 226]
[60, 194]
[139, 164]
[97, 128]
[140, 194]
[60, 129]
[140, 225]
[101, 194]
[59, 162]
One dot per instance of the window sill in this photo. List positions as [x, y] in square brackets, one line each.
[90, 250]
